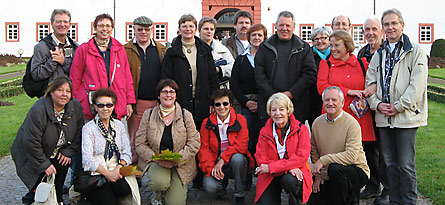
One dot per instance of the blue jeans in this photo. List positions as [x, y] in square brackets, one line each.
[399, 153]
[253, 127]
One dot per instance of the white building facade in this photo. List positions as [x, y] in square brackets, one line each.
[24, 22]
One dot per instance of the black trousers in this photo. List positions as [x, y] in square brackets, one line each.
[343, 186]
[110, 192]
[59, 181]
[272, 194]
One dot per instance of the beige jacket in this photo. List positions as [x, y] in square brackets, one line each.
[408, 87]
[186, 140]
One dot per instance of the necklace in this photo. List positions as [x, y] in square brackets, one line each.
[189, 49]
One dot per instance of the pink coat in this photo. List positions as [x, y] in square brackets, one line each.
[88, 73]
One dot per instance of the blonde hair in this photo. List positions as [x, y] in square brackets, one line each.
[281, 100]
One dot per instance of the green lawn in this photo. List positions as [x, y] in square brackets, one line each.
[437, 85]
[430, 155]
[11, 118]
[437, 73]
[12, 68]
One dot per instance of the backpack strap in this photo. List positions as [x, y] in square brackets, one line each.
[183, 116]
[362, 66]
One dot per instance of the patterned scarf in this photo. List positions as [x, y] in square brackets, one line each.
[391, 59]
[110, 135]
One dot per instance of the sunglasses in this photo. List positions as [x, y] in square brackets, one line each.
[219, 104]
[101, 105]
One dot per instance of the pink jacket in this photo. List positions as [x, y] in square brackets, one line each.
[88, 73]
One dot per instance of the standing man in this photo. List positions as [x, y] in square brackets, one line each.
[373, 35]
[50, 63]
[399, 69]
[284, 63]
[237, 43]
[145, 57]
[339, 163]
[344, 23]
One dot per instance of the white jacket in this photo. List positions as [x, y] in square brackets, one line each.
[221, 51]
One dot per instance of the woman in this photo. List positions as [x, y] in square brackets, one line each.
[48, 138]
[190, 63]
[106, 149]
[282, 154]
[221, 54]
[243, 83]
[223, 154]
[344, 70]
[102, 62]
[322, 51]
[168, 126]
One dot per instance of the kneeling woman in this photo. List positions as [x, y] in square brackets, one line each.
[282, 154]
[106, 149]
[168, 126]
[224, 154]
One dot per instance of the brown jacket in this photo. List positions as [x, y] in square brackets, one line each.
[186, 140]
[135, 63]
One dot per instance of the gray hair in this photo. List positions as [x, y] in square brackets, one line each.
[206, 20]
[340, 93]
[282, 100]
[322, 30]
[371, 18]
[60, 11]
[393, 11]
[286, 14]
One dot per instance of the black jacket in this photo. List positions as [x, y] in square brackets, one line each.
[316, 103]
[175, 66]
[37, 138]
[301, 74]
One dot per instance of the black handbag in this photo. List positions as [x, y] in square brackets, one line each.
[86, 183]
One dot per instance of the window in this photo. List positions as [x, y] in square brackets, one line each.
[274, 28]
[129, 32]
[72, 33]
[12, 31]
[92, 28]
[43, 29]
[357, 33]
[306, 31]
[160, 31]
[426, 33]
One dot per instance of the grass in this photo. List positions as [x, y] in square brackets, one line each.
[12, 68]
[4, 80]
[430, 156]
[437, 73]
[433, 84]
[11, 118]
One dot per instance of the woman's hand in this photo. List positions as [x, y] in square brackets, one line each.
[262, 169]
[297, 173]
[113, 175]
[370, 90]
[50, 170]
[358, 93]
[165, 163]
[252, 105]
[129, 110]
[63, 160]
[217, 170]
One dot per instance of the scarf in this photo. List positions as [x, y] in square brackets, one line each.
[102, 43]
[323, 54]
[110, 135]
[166, 111]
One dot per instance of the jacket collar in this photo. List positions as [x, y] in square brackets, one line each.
[202, 47]
[49, 39]
[297, 43]
[234, 125]
[267, 130]
[115, 46]
[351, 61]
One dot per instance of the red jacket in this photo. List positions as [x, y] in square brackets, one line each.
[88, 72]
[347, 76]
[298, 148]
[210, 141]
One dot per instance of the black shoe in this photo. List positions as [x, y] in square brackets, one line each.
[248, 184]
[365, 194]
[240, 201]
[382, 199]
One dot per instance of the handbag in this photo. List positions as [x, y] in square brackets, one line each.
[85, 182]
[46, 191]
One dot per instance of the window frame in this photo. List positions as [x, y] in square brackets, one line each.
[127, 29]
[7, 31]
[310, 30]
[37, 29]
[154, 31]
[360, 31]
[77, 32]
[432, 33]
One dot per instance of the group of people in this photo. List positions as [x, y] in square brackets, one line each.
[231, 110]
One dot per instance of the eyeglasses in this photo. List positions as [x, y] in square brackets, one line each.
[323, 38]
[102, 105]
[387, 24]
[104, 25]
[144, 29]
[223, 103]
[165, 92]
[61, 21]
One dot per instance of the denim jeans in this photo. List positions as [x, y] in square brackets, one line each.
[253, 127]
[235, 169]
[399, 152]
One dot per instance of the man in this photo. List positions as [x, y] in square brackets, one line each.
[49, 64]
[238, 42]
[399, 71]
[344, 23]
[222, 56]
[284, 63]
[339, 163]
[144, 56]
[373, 35]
